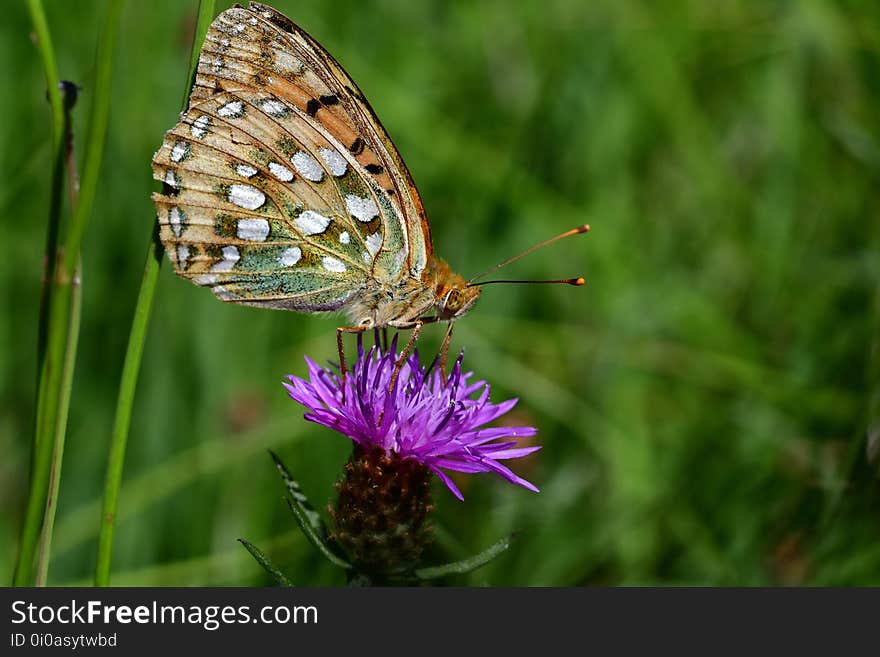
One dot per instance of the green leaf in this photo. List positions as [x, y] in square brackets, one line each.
[315, 540]
[263, 560]
[309, 514]
[465, 565]
[308, 519]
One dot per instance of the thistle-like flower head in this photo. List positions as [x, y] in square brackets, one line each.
[441, 425]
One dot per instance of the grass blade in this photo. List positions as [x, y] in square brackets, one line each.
[42, 448]
[98, 119]
[45, 544]
[133, 353]
[122, 419]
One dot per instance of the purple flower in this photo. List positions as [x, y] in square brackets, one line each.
[440, 426]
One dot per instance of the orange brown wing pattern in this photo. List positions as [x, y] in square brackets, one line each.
[274, 117]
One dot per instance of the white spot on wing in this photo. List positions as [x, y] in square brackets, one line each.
[171, 178]
[311, 223]
[182, 255]
[199, 127]
[274, 107]
[232, 108]
[335, 162]
[287, 62]
[281, 172]
[307, 166]
[176, 221]
[374, 241]
[247, 197]
[253, 230]
[344, 237]
[178, 152]
[332, 264]
[361, 208]
[245, 170]
[289, 257]
[230, 257]
[206, 279]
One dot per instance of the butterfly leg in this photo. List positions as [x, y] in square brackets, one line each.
[341, 348]
[444, 350]
[417, 328]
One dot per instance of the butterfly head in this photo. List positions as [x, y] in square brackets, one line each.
[457, 301]
[451, 294]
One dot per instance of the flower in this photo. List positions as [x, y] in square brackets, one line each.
[440, 425]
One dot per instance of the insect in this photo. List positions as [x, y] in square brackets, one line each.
[283, 190]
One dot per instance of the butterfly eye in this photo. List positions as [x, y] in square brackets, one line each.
[453, 301]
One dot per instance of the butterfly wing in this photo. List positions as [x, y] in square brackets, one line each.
[282, 189]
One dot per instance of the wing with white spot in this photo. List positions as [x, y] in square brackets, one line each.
[244, 195]
[281, 187]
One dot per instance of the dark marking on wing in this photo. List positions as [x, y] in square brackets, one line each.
[274, 16]
[225, 225]
[357, 94]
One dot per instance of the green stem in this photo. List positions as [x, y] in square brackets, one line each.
[50, 71]
[94, 153]
[46, 362]
[133, 353]
[124, 402]
[47, 419]
[66, 382]
[57, 342]
[45, 543]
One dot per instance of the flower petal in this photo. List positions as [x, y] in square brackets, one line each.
[441, 424]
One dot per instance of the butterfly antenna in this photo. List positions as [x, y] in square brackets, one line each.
[566, 281]
[574, 231]
[570, 281]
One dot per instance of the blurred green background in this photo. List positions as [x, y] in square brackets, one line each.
[709, 404]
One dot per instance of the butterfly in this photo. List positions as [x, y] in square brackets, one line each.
[283, 190]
